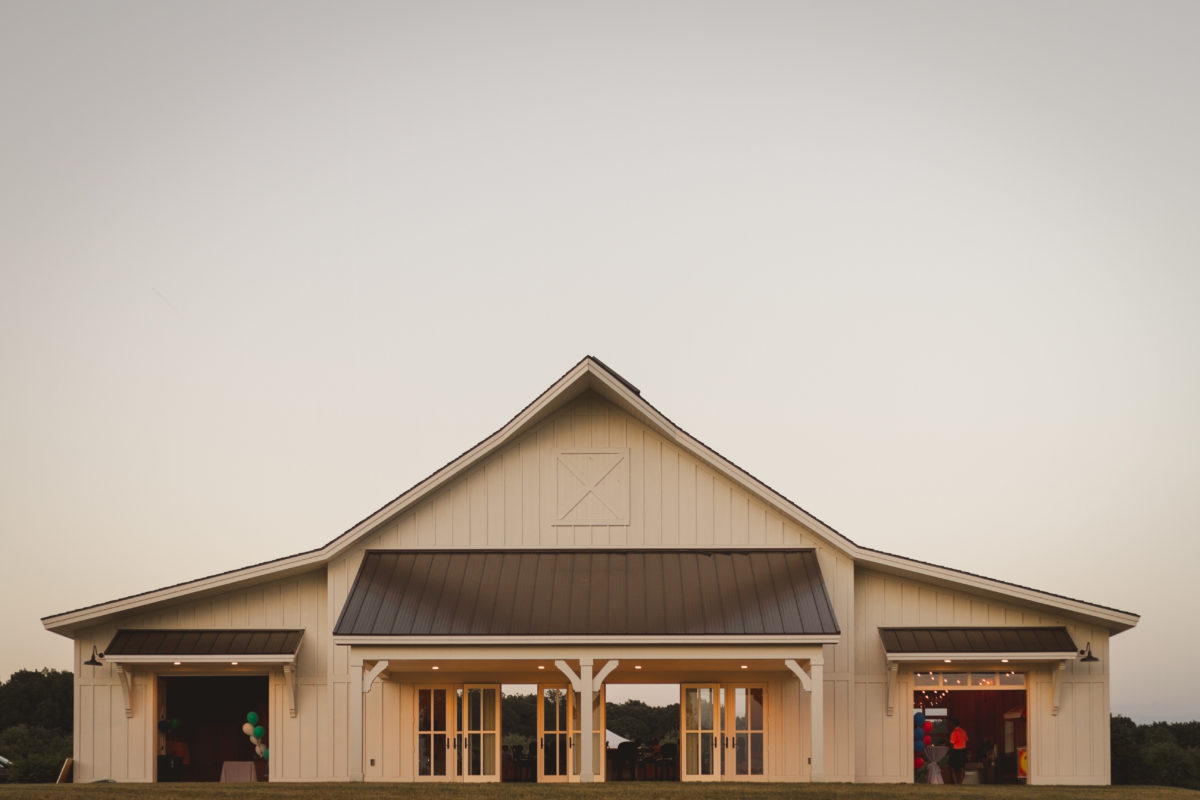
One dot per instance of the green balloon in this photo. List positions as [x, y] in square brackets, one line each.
[175, 722]
[252, 718]
[266, 754]
[259, 730]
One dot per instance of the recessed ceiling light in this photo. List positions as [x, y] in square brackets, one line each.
[234, 663]
[745, 666]
[435, 666]
[637, 666]
[1004, 661]
[947, 661]
[177, 663]
[541, 666]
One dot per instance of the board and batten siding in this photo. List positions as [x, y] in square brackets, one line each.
[108, 745]
[1070, 747]
[509, 500]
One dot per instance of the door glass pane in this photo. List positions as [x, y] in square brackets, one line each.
[756, 754]
[693, 753]
[706, 709]
[741, 761]
[424, 754]
[489, 754]
[692, 707]
[473, 754]
[706, 753]
[739, 709]
[424, 710]
[474, 709]
[489, 710]
[550, 754]
[439, 754]
[756, 708]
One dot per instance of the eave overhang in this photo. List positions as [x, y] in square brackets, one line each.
[542, 641]
[947, 660]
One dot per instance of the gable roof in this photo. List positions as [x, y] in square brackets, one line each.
[626, 593]
[590, 374]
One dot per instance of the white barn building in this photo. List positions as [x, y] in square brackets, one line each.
[590, 542]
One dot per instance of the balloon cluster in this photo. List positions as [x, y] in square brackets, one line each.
[256, 733]
[922, 728]
[168, 725]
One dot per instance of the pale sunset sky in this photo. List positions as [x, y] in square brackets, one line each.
[930, 269]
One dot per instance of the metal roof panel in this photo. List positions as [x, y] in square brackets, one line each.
[588, 593]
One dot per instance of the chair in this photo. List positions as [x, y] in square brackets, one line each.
[625, 761]
[668, 761]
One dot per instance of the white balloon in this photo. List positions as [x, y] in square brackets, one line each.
[247, 729]
[258, 750]
[253, 740]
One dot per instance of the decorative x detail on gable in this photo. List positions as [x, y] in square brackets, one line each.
[592, 487]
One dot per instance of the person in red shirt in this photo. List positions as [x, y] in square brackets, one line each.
[958, 751]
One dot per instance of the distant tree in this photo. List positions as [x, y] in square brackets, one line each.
[36, 754]
[41, 698]
[1187, 734]
[1126, 738]
[635, 720]
[36, 710]
[1160, 753]
[518, 718]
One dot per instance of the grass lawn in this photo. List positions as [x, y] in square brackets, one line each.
[612, 791]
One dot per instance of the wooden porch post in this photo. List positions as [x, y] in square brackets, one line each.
[587, 772]
[818, 719]
[813, 682]
[356, 721]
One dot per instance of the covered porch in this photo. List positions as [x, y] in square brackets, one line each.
[432, 636]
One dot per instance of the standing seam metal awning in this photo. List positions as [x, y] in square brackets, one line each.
[260, 645]
[978, 642]
[588, 593]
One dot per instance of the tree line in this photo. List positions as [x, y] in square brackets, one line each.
[1158, 753]
[36, 712]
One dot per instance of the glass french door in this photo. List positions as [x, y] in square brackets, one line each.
[723, 732]
[700, 724]
[480, 715]
[598, 751]
[553, 713]
[745, 736]
[437, 745]
[559, 735]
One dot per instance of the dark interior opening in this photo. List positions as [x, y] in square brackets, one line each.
[996, 726]
[643, 739]
[518, 720]
[200, 725]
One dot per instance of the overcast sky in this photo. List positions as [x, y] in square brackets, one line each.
[929, 269]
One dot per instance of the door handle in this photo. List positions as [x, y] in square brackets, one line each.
[542, 743]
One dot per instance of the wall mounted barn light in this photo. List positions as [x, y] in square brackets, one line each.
[1087, 654]
[95, 660]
